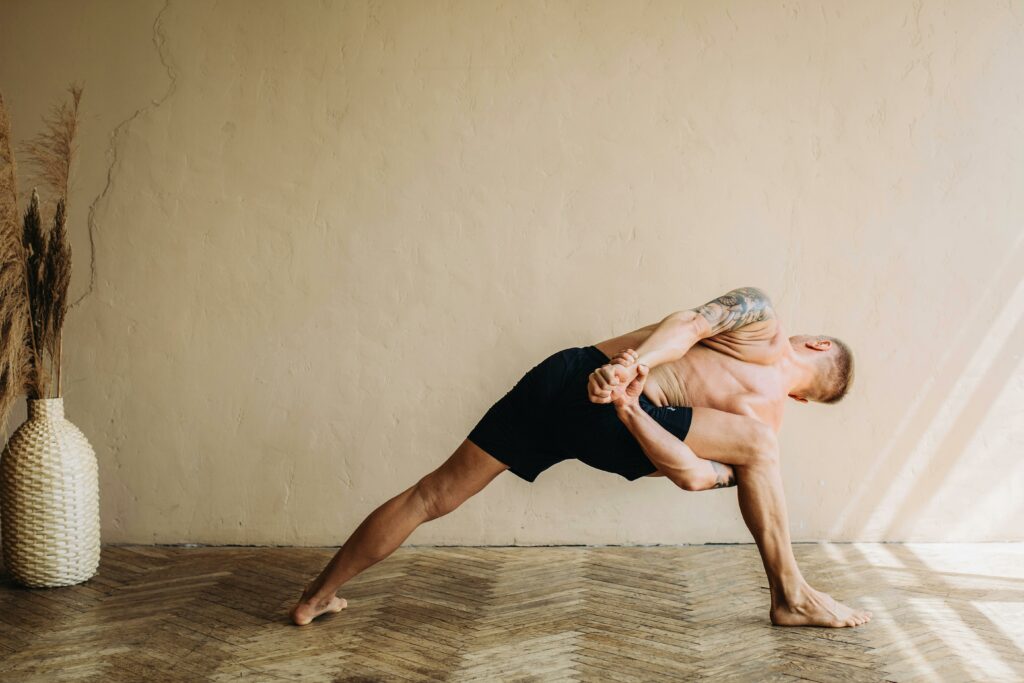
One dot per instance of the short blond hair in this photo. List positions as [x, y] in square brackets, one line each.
[840, 377]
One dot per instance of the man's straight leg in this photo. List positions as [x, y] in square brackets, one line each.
[468, 470]
[723, 437]
[509, 436]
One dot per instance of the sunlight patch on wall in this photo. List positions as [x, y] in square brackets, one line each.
[915, 468]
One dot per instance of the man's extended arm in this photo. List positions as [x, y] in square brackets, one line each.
[678, 332]
[672, 457]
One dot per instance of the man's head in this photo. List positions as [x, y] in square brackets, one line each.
[832, 362]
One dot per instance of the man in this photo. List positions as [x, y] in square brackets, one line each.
[699, 401]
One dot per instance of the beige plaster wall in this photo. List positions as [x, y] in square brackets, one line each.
[328, 235]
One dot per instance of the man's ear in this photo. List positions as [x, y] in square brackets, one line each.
[819, 344]
[798, 398]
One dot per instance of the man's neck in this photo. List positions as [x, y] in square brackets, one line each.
[799, 373]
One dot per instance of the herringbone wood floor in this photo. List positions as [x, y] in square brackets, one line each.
[943, 612]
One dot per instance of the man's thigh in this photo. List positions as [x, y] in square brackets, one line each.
[724, 437]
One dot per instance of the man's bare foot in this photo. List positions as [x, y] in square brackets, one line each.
[815, 608]
[306, 611]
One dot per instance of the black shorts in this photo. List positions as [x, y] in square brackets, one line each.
[547, 418]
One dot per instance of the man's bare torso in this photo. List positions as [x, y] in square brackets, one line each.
[746, 381]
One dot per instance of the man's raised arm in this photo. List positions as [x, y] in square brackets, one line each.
[748, 309]
[678, 332]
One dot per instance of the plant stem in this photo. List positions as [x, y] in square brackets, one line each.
[36, 361]
[60, 338]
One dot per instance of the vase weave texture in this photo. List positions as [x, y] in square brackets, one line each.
[49, 500]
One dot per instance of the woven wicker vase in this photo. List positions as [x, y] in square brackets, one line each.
[49, 500]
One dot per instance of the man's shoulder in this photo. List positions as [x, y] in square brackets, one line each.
[762, 343]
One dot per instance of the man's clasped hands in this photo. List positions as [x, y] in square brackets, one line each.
[620, 381]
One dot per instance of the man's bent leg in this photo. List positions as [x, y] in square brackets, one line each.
[466, 472]
[733, 439]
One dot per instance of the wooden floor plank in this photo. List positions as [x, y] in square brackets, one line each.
[155, 613]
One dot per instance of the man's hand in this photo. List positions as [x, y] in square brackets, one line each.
[617, 373]
[620, 381]
[627, 396]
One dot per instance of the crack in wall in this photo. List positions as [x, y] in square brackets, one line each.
[159, 39]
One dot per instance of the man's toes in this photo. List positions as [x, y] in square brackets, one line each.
[336, 605]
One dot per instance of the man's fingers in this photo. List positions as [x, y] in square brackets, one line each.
[627, 357]
[641, 378]
[596, 392]
[612, 379]
[599, 380]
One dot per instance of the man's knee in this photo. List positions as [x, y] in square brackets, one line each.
[696, 481]
[763, 446]
[436, 495]
[467, 471]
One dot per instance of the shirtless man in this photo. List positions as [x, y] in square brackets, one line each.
[699, 401]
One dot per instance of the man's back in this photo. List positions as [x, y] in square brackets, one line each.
[744, 378]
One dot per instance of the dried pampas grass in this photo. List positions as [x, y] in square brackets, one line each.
[51, 152]
[35, 246]
[15, 352]
[47, 252]
[35, 260]
[58, 268]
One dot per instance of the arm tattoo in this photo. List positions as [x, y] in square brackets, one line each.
[724, 475]
[737, 308]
